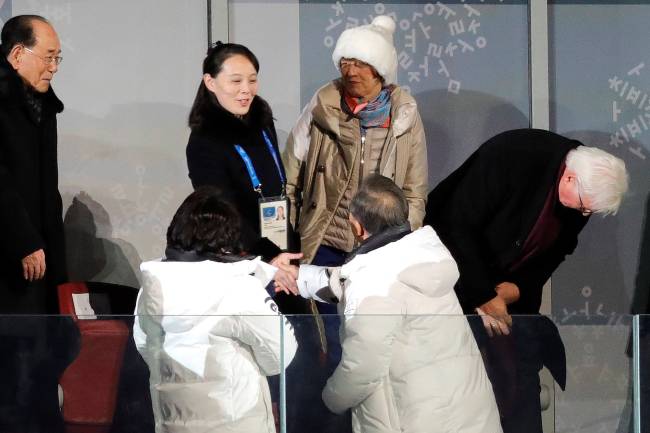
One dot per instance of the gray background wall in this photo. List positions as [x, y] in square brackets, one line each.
[131, 70]
[597, 59]
[589, 43]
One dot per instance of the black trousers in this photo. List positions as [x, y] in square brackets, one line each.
[513, 363]
[35, 350]
[310, 369]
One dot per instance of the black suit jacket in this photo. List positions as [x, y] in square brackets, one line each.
[485, 210]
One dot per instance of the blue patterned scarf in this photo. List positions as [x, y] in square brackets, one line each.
[372, 114]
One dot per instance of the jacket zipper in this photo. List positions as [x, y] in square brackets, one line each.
[363, 154]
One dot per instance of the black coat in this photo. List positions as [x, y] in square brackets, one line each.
[30, 203]
[213, 160]
[485, 210]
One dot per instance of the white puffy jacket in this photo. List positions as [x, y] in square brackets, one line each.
[410, 363]
[210, 334]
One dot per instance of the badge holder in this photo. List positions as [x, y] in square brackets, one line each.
[273, 210]
[274, 224]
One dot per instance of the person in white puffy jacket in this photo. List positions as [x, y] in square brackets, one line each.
[410, 363]
[207, 328]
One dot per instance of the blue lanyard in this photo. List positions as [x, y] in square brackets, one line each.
[257, 185]
[275, 157]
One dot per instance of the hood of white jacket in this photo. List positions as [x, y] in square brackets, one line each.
[418, 260]
[195, 288]
[189, 298]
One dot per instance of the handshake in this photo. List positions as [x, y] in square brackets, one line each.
[286, 277]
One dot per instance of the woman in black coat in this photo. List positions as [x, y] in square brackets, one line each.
[231, 124]
[227, 112]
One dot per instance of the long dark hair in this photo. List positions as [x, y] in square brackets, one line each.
[212, 64]
[205, 223]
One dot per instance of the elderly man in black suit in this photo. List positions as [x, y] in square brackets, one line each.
[35, 349]
[32, 251]
[509, 215]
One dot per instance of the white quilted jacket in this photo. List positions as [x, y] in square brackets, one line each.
[210, 334]
[410, 363]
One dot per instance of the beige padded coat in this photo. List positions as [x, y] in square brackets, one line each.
[322, 160]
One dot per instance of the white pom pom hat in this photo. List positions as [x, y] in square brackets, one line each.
[372, 44]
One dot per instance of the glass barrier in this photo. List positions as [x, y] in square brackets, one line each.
[600, 95]
[589, 361]
[641, 349]
[599, 376]
[291, 374]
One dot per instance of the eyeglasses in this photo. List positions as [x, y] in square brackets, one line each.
[582, 209]
[47, 60]
[347, 64]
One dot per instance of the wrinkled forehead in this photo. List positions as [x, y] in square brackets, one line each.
[47, 39]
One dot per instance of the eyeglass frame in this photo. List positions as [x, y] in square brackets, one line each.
[48, 60]
[582, 209]
[348, 63]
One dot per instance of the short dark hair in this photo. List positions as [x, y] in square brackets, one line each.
[379, 204]
[19, 31]
[205, 223]
[212, 65]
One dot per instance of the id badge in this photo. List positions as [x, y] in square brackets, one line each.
[273, 220]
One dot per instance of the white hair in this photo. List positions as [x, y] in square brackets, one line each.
[601, 176]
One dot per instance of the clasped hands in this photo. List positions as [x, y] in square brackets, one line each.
[494, 312]
[287, 274]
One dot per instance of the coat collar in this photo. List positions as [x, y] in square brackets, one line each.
[381, 239]
[12, 90]
[178, 255]
[328, 112]
[218, 121]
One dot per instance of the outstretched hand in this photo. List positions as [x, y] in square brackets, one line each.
[287, 274]
[285, 259]
[285, 280]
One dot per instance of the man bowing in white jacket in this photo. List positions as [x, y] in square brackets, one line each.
[410, 363]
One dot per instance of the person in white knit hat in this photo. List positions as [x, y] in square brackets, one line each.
[355, 125]
[359, 124]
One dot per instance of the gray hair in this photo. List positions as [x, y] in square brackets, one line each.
[379, 204]
[601, 176]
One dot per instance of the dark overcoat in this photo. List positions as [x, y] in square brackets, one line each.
[213, 160]
[30, 203]
[485, 210]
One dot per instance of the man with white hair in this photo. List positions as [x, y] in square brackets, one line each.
[509, 216]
